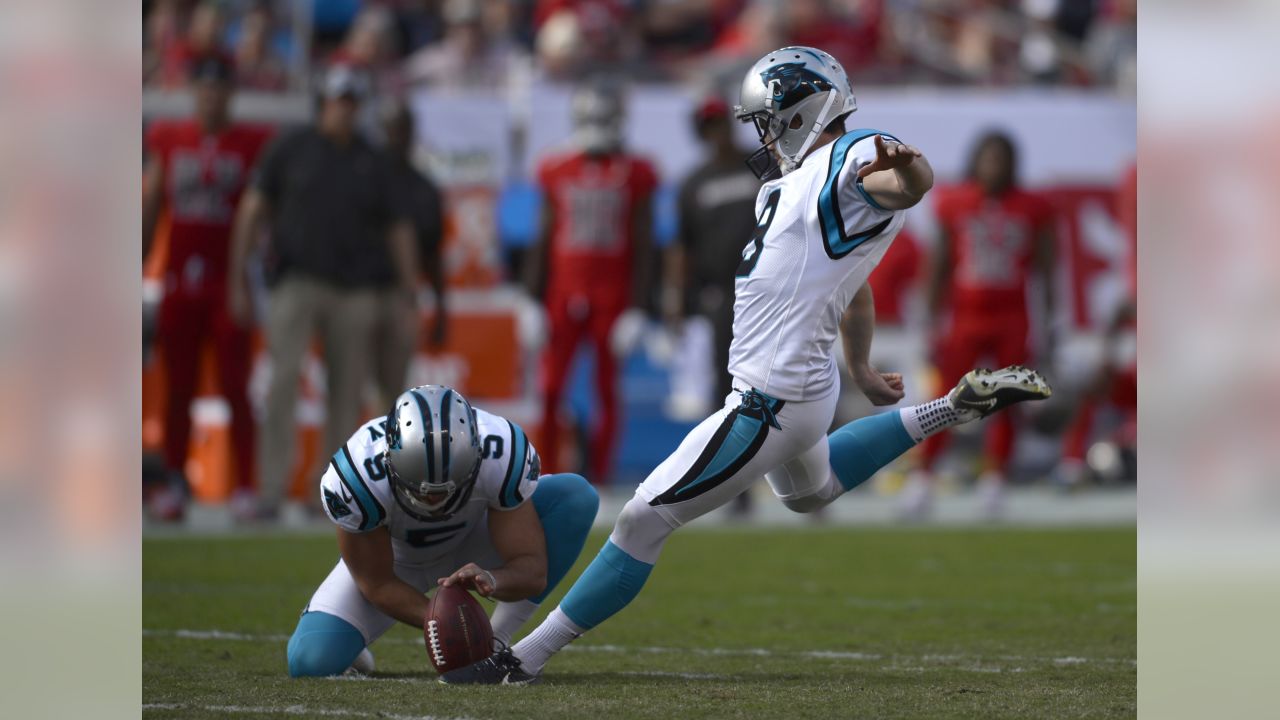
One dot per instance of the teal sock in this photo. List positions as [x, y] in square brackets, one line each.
[608, 584]
[865, 445]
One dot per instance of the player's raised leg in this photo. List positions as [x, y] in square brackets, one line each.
[852, 454]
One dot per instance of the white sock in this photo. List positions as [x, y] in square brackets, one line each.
[921, 421]
[508, 617]
[546, 640]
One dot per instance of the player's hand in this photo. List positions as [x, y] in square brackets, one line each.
[890, 156]
[472, 577]
[239, 304]
[627, 331]
[880, 388]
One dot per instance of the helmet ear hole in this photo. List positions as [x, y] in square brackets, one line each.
[796, 122]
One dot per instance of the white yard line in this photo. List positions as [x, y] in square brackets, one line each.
[973, 662]
[214, 635]
[681, 675]
[290, 710]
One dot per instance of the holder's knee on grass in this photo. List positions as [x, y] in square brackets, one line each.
[323, 645]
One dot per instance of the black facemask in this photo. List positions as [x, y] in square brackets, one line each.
[764, 165]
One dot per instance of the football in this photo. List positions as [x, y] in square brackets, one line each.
[456, 630]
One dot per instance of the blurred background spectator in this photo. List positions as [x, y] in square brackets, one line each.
[592, 264]
[193, 176]
[341, 240]
[476, 51]
[258, 67]
[717, 211]
[473, 43]
[396, 336]
[996, 243]
[178, 44]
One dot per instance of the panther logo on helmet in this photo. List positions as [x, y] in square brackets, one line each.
[791, 95]
[792, 82]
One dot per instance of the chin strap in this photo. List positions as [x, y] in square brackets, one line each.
[787, 163]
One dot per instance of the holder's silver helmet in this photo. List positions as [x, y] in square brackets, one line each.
[433, 451]
[791, 95]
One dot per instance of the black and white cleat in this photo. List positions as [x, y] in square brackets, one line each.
[982, 392]
[500, 668]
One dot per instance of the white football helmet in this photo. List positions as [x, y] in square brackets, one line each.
[791, 95]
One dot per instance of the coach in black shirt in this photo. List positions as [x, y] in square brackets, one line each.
[340, 240]
[717, 218]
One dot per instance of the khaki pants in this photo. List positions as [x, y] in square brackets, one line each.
[345, 320]
[395, 338]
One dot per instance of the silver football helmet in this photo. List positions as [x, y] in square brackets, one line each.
[791, 95]
[598, 110]
[433, 451]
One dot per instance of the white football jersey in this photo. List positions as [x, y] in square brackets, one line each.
[818, 236]
[357, 495]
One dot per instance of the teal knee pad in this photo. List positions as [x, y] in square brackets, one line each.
[566, 506]
[865, 445]
[608, 584]
[323, 645]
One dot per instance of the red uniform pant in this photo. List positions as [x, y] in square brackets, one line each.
[997, 342]
[1121, 391]
[185, 323]
[573, 319]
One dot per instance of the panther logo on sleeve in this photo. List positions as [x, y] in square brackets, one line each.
[337, 506]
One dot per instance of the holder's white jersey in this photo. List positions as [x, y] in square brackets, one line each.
[818, 236]
[357, 496]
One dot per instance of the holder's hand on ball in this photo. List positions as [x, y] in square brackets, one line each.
[472, 577]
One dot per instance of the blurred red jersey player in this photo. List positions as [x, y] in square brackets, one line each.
[1117, 381]
[196, 170]
[995, 237]
[592, 262]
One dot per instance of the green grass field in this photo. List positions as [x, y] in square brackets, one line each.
[821, 623]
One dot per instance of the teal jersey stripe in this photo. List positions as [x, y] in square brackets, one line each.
[369, 505]
[834, 240]
[510, 497]
[740, 438]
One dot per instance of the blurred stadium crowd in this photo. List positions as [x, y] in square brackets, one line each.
[297, 256]
[1087, 43]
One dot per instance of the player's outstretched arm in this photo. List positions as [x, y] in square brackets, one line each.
[899, 176]
[856, 328]
[517, 536]
[369, 558]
